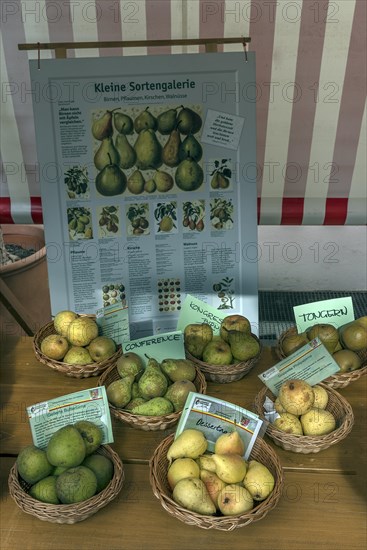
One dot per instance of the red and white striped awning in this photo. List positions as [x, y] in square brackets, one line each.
[311, 92]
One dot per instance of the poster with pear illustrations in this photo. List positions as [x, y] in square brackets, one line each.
[153, 156]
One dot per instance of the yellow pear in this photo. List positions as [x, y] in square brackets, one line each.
[82, 331]
[278, 406]
[321, 397]
[206, 462]
[191, 493]
[213, 484]
[229, 443]
[62, 321]
[353, 335]
[296, 396]
[234, 500]
[259, 481]
[181, 468]
[318, 422]
[189, 444]
[289, 423]
[230, 468]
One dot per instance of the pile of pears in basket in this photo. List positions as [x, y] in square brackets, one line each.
[234, 343]
[75, 340]
[222, 483]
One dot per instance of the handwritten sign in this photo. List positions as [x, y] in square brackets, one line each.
[222, 129]
[163, 346]
[334, 312]
[196, 311]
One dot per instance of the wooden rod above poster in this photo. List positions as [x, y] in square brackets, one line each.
[211, 44]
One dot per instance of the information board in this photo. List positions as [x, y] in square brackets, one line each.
[148, 181]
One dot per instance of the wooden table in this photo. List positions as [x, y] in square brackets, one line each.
[323, 504]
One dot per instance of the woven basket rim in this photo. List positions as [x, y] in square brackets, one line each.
[224, 523]
[67, 513]
[337, 380]
[149, 423]
[76, 371]
[233, 368]
[308, 443]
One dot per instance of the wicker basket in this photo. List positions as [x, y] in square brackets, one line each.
[142, 422]
[337, 405]
[223, 374]
[158, 480]
[335, 381]
[67, 513]
[75, 371]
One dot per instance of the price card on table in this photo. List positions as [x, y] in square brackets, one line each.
[47, 417]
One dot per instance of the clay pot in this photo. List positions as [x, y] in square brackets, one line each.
[26, 278]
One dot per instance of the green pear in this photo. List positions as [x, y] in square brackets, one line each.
[234, 322]
[179, 369]
[111, 180]
[293, 342]
[152, 382]
[45, 490]
[259, 481]
[126, 152]
[177, 393]
[148, 150]
[328, 335]
[166, 121]
[101, 348]
[354, 335]
[150, 186]
[170, 151]
[189, 175]
[130, 363]
[76, 484]
[217, 352]
[135, 402]
[347, 360]
[33, 464]
[190, 443]
[230, 468]
[243, 346]
[196, 337]
[102, 467]
[190, 148]
[119, 391]
[188, 121]
[192, 494]
[66, 447]
[123, 123]
[136, 182]
[91, 433]
[106, 154]
[157, 406]
[145, 121]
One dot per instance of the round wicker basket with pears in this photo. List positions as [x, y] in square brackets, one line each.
[70, 345]
[226, 357]
[348, 346]
[335, 415]
[213, 501]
